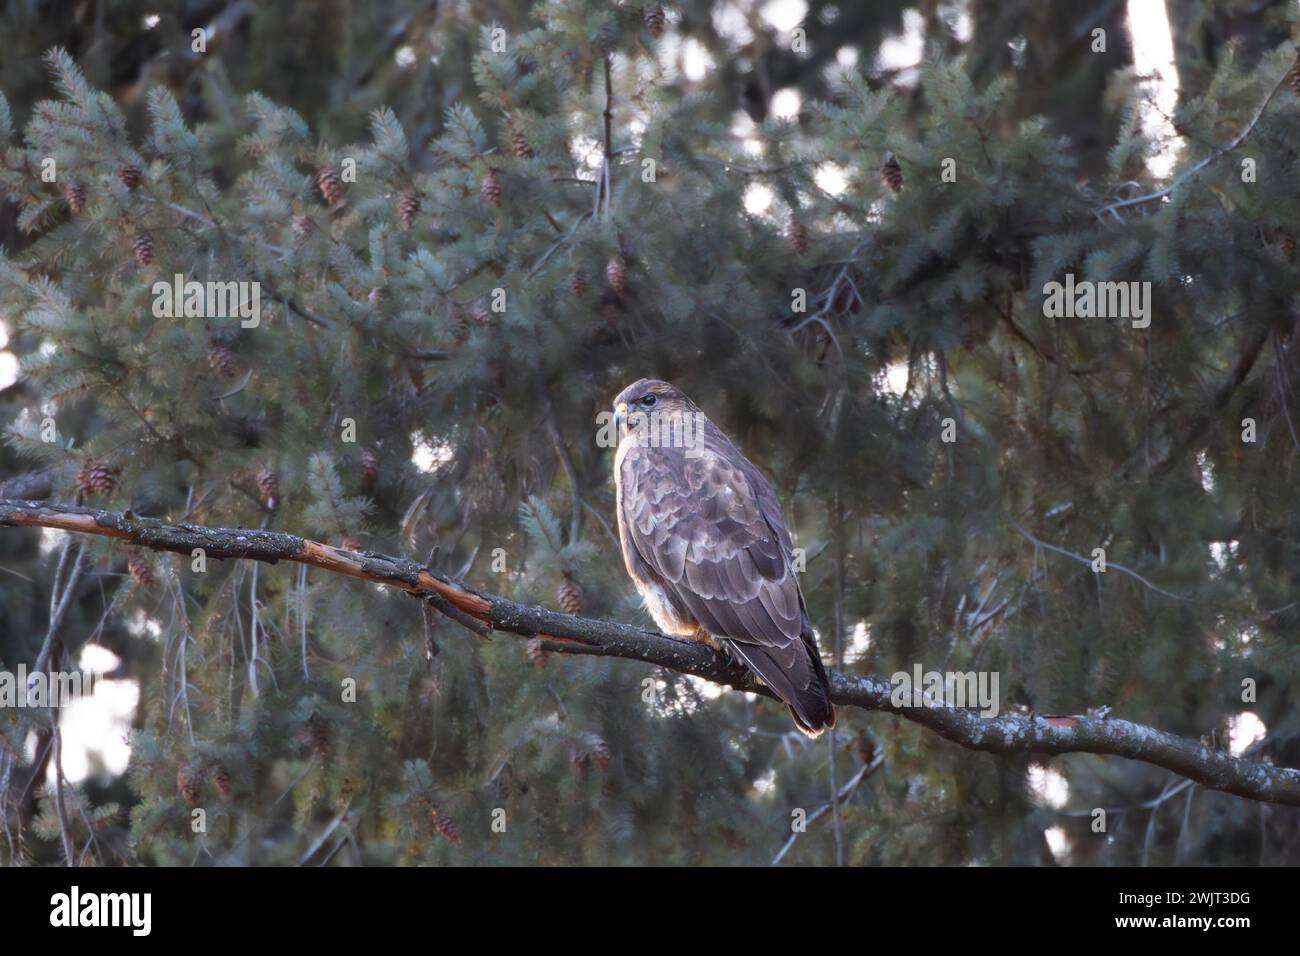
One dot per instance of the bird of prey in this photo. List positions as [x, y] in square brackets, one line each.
[704, 542]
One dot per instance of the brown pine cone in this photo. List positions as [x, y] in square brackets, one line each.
[578, 283]
[221, 360]
[519, 142]
[221, 777]
[369, 466]
[330, 186]
[1286, 245]
[536, 653]
[268, 483]
[797, 235]
[891, 174]
[74, 194]
[188, 783]
[654, 20]
[445, 825]
[616, 274]
[569, 596]
[447, 828]
[301, 226]
[142, 248]
[96, 478]
[131, 177]
[141, 571]
[491, 189]
[408, 207]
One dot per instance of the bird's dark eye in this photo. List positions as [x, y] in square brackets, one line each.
[649, 401]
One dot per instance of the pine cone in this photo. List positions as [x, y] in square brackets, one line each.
[654, 20]
[96, 478]
[569, 596]
[523, 149]
[269, 485]
[616, 274]
[330, 186]
[578, 283]
[141, 571]
[301, 226]
[491, 189]
[221, 777]
[369, 467]
[445, 826]
[142, 248]
[891, 174]
[131, 177]
[1286, 245]
[74, 194]
[408, 207]
[221, 360]
[797, 235]
[1292, 78]
[536, 653]
[188, 783]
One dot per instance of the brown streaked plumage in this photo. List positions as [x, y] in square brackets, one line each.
[704, 542]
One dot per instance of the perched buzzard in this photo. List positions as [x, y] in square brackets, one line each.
[704, 541]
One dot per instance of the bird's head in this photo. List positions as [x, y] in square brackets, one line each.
[648, 397]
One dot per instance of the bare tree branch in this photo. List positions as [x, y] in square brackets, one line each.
[564, 633]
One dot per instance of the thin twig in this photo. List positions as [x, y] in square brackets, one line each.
[325, 835]
[845, 792]
[65, 831]
[1213, 157]
[1039, 543]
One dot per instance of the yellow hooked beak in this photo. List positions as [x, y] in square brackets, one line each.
[620, 418]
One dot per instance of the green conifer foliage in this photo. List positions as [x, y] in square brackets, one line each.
[468, 235]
